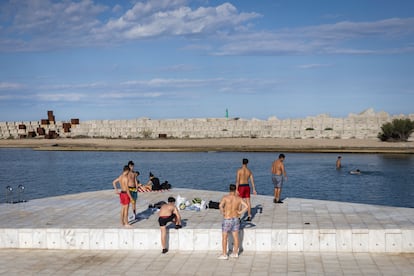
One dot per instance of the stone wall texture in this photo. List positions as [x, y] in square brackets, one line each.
[365, 125]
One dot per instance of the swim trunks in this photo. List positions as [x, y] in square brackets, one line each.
[164, 220]
[230, 225]
[133, 192]
[124, 198]
[244, 190]
[277, 180]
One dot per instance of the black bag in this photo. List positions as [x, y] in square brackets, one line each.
[213, 205]
[156, 186]
[157, 205]
[165, 185]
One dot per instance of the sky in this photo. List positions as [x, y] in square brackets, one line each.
[172, 59]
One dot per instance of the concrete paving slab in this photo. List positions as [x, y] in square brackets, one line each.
[132, 262]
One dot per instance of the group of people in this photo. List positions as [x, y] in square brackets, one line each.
[129, 186]
[339, 166]
[245, 175]
[237, 202]
[128, 193]
[231, 206]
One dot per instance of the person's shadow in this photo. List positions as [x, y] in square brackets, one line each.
[258, 209]
[146, 214]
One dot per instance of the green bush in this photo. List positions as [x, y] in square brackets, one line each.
[397, 130]
[146, 133]
[309, 128]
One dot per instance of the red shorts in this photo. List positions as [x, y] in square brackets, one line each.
[124, 198]
[244, 190]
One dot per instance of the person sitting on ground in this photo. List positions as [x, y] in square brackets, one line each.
[149, 186]
[168, 212]
[153, 182]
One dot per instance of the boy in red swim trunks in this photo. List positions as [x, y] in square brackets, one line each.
[243, 188]
[124, 195]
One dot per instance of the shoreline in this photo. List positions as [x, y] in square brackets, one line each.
[214, 144]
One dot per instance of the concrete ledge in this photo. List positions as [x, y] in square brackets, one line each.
[89, 221]
[264, 240]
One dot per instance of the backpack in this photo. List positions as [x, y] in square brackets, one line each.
[165, 185]
[213, 205]
[156, 184]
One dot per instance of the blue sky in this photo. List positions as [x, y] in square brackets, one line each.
[194, 59]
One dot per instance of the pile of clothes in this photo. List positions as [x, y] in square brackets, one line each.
[196, 204]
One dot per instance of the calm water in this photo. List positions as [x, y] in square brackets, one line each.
[385, 179]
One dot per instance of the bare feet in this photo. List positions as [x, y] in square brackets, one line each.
[127, 226]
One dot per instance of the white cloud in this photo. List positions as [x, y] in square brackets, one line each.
[209, 85]
[178, 68]
[171, 19]
[69, 97]
[10, 86]
[92, 85]
[172, 82]
[323, 39]
[392, 27]
[313, 65]
[45, 24]
[128, 95]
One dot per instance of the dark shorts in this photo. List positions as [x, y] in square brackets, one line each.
[124, 198]
[164, 220]
[244, 190]
[133, 192]
[277, 180]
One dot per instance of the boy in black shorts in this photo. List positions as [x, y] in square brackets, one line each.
[168, 212]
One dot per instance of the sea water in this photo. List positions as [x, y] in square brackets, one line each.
[386, 179]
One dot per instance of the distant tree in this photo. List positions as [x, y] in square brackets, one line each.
[397, 130]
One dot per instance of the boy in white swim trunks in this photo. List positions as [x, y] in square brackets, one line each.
[230, 208]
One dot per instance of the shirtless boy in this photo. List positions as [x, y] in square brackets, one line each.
[133, 187]
[278, 176]
[338, 162]
[124, 195]
[168, 212]
[242, 186]
[231, 207]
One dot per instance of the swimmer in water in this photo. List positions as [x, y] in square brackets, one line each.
[357, 171]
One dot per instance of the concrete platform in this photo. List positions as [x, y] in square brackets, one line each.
[90, 221]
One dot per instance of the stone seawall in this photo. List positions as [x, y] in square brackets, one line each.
[365, 125]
